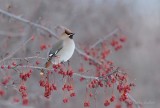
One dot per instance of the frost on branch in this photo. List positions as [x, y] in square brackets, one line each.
[95, 69]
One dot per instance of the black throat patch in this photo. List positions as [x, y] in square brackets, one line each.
[71, 36]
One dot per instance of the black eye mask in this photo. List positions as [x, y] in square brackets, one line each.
[71, 35]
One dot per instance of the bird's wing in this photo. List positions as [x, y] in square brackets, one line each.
[56, 48]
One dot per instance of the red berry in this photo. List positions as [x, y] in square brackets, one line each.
[118, 106]
[112, 98]
[86, 104]
[123, 39]
[81, 69]
[15, 99]
[81, 79]
[43, 47]
[32, 38]
[14, 64]
[2, 92]
[106, 103]
[72, 94]
[2, 67]
[65, 100]
[37, 62]
[24, 94]
[114, 42]
[25, 101]
[90, 94]
[9, 67]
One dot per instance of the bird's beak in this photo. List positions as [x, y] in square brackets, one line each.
[71, 35]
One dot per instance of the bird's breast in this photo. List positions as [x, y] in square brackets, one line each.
[66, 52]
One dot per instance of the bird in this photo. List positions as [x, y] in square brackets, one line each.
[62, 50]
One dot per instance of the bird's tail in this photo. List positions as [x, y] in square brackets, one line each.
[47, 64]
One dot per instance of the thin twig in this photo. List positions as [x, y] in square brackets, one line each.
[28, 22]
[12, 54]
[10, 104]
[53, 34]
[94, 60]
[86, 77]
[133, 100]
[99, 63]
[85, 55]
[104, 38]
[26, 58]
[10, 34]
[36, 67]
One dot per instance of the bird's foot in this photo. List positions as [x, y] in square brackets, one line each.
[68, 63]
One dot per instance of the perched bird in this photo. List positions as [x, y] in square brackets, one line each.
[62, 50]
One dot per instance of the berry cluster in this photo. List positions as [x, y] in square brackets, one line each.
[23, 91]
[116, 43]
[2, 92]
[48, 87]
[6, 79]
[104, 75]
[25, 75]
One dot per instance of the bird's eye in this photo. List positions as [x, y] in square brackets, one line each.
[71, 34]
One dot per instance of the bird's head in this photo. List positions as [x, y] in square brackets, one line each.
[66, 33]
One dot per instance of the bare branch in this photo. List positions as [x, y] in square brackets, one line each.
[10, 34]
[104, 38]
[28, 22]
[53, 34]
[86, 77]
[133, 100]
[9, 104]
[26, 58]
[12, 54]
[36, 67]
[114, 71]
[92, 59]
[85, 55]
[83, 76]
